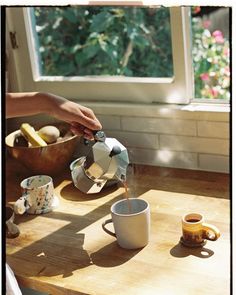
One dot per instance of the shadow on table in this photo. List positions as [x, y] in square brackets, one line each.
[61, 252]
[52, 255]
[112, 255]
[181, 251]
[71, 193]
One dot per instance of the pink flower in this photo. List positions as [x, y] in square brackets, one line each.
[219, 38]
[215, 60]
[217, 33]
[226, 51]
[197, 9]
[227, 70]
[214, 91]
[204, 77]
[206, 23]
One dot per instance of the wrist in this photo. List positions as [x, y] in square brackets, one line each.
[47, 102]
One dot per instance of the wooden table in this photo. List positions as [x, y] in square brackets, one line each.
[67, 252]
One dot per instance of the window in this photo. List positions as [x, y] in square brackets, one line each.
[174, 87]
[123, 53]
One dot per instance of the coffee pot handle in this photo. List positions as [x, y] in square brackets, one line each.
[99, 135]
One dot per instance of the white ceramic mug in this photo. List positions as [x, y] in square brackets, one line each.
[37, 195]
[131, 220]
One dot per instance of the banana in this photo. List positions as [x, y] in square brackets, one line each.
[31, 135]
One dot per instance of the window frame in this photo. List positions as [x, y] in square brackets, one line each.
[179, 90]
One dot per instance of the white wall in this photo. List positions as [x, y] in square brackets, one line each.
[192, 137]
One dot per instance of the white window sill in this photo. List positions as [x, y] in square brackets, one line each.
[207, 107]
[195, 111]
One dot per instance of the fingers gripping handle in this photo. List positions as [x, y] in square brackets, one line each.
[107, 230]
[210, 232]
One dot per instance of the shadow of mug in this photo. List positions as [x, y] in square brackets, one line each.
[181, 251]
[112, 255]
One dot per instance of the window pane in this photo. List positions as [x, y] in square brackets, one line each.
[96, 40]
[211, 52]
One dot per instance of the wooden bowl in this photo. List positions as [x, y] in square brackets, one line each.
[50, 159]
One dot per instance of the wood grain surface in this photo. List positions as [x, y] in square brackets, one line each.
[67, 252]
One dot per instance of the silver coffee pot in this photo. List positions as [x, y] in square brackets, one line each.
[105, 164]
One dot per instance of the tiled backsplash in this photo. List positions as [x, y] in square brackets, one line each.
[171, 138]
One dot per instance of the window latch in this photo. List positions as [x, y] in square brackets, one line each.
[13, 40]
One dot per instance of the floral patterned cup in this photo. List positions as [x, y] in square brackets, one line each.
[37, 195]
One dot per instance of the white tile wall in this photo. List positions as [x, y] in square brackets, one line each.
[135, 139]
[170, 136]
[213, 129]
[157, 125]
[192, 137]
[195, 144]
[113, 122]
[164, 158]
[215, 162]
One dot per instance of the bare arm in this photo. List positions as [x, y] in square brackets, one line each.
[82, 119]
[25, 104]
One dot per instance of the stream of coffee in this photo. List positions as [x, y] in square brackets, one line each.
[127, 195]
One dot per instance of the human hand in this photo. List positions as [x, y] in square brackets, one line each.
[82, 119]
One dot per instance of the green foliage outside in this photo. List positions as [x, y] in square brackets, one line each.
[128, 41]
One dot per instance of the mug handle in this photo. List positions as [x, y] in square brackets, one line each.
[208, 229]
[21, 205]
[107, 230]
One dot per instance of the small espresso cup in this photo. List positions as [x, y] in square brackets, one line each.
[37, 195]
[196, 231]
[131, 221]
